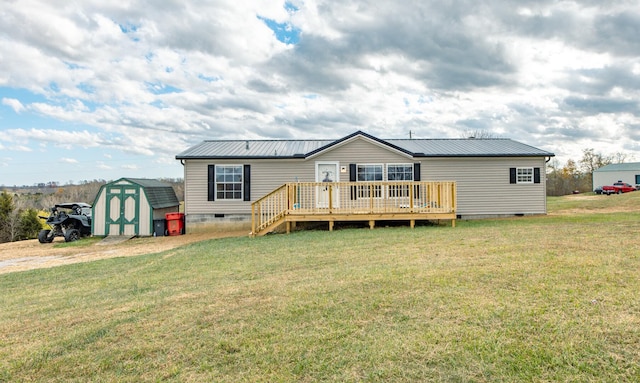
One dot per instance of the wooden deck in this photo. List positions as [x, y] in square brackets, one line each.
[353, 201]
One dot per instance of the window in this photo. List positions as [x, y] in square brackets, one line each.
[399, 172]
[369, 173]
[229, 182]
[524, 175]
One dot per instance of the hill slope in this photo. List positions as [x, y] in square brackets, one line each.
[550, 298]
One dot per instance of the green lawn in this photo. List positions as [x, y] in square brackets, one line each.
[553, 298]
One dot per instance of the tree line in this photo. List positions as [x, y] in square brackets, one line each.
[577, 177]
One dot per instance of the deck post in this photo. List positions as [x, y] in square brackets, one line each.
[411, 199]
[331, 225]
[372, 224]
[330, 199]
[412, 223]
[253, 220]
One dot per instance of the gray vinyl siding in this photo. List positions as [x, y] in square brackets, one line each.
[483, 185]
[361, 151]
[483, 182]
[266, 175]
[269, 174]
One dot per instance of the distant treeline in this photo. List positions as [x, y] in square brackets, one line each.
[44, 196]
[578, 176]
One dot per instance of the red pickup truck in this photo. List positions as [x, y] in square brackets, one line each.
[617, 188]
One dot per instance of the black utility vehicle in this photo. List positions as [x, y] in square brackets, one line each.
[69, 220]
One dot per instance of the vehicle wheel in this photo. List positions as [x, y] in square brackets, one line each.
[43, 236]
[72, 235]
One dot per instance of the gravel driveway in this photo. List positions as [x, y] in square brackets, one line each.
[31, 254]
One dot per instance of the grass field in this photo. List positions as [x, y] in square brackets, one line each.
[530, 299]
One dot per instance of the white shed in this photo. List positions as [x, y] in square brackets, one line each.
[129, 206]
[626, 172]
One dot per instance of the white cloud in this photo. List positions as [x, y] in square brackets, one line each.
[150, 81]
[14, 104]
[68, 160]
[63, 138]
[101, 165]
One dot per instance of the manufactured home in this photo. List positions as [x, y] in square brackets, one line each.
[264, 183]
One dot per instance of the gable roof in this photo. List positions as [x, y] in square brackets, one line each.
[627, 166]
[159, 194]
[272, 149]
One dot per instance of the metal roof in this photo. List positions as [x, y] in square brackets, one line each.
[469, 147]
[629, 166]
[253, 149]
[159, 194]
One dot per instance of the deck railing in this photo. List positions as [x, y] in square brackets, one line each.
[352, 199]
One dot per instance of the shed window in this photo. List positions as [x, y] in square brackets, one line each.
[229, 182]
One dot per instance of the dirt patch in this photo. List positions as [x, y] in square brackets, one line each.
[27, 255]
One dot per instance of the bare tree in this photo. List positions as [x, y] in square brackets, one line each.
[478, 133]
[592, 161]
[620, 157]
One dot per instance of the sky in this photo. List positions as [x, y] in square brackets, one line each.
[96, 90]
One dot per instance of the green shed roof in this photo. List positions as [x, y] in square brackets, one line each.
[160, 195]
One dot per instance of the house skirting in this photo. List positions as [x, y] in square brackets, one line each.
[197, 223]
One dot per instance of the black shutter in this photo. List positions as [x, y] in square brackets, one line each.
[536, 175]
[352, 178]
[352, 173]
[247, 182]
[512, 175]
[211, 183]
[416, 178]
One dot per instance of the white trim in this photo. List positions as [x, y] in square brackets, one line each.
[322, 201]
[382, 167]
[408, 164]
[215, 183]
[336, 163]
[525, 182]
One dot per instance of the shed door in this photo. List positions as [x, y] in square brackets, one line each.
[123, 206]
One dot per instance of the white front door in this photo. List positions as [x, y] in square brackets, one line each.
[327, 172]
